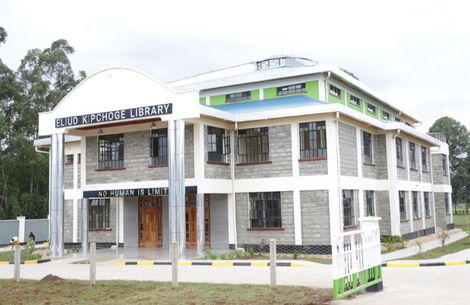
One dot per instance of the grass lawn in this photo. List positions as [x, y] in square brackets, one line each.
[438, 252]
[10, 255]
[462, 222]
[132, 292]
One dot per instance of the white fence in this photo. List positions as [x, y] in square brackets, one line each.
[21, 227]
[355, 254]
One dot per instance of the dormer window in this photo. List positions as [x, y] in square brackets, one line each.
[291, 89]
[238, 97]
[335, 91]
[371, 108]
[354, 100]
[271, 63]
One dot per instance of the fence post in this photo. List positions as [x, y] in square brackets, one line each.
[272, 261]
[93, 264]
[17, 263]
[174, 264]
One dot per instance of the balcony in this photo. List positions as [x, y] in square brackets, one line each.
[440, 136]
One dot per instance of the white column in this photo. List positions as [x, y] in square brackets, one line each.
[295, 146]
[84, 225]
[232, 220]
[423, 211]
[360, 196]
[334, 190]
[121, 219]
[57, 196]
[261, 93]
[21, 228]
[200, 231]
[410, 210]
[199, 160]
[392, 181]
[75, 171]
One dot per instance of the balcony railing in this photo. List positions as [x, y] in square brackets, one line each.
[440, 136]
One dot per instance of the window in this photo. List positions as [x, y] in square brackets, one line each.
[444, 165]
[402, 201]
[335, 91]
[271, 63]
[447, 203]
[79, 158]
[238, 97]
[160, 147]
[398, 120]
[218, 144]
[312, 140]
[415, 205]
[427, 209]
[367, 147]
[399, 148]
[265, 210]
[413, 156]
[68, 159]
[253, 145]
[111, 151]
[98, 213]
[355, 100]
[291, 89]
[385, 115]
[370, 209]
[371, 108]
[424, 158]
[348, 208]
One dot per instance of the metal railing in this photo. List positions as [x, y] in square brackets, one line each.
[440, 136]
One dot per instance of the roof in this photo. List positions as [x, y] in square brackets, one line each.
[287, 102]
[247, 73]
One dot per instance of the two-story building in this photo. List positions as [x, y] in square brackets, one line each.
[280, 148]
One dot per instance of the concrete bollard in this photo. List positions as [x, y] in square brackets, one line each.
[174, 264]
[272, 261]
[93, 264]
[17, 263]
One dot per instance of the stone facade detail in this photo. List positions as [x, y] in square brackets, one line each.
[216, 171]
[314, 167]
[438, 176]
[315, 217]
[347, 150]
[378, 169]
[382, 205]
[68, 176]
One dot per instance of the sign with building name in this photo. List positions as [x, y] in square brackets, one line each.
[115, 115]
[153, 191]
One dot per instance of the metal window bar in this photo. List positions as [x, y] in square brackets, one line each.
[412, 155]
[291, 89]
[218, 144]
[367, 137]
[253, 145]
[348, 208]
[265, 210]
[159, 150]
[312, 140]
[399, 149]
[98, 214]
[401, 196]
[111, 151]
[424, 159]
[370, 203]
[427, 210]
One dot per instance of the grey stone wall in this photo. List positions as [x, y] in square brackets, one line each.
[280, 154]
[402, 171]
[68, 176]
[439, 202]
[68, 221]
[216, 171]
[130, 226]
[108, 236]
[429, 221]
[314, 167]
[377, 170]
[315, 217]
[137, 160]
[219, 221]
[405, 225]
[79, 175]
[347, 150]
[283, 237]
[382, 206]
[437, 170]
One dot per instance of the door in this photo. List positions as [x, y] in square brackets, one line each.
[191, 218]
[150, 222]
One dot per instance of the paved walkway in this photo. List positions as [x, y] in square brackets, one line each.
[425, 247]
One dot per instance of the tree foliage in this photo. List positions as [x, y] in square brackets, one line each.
[43, 78]
[458, 139]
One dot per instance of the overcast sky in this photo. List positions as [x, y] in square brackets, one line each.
[415, 53]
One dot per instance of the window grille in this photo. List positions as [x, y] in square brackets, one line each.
[159, 150]
[253, 145]
[367, 139]
[98, 213]
[424, 159]
[399, 149]
[291, 89]
[218, 144]
[444, 165]
[413, 164]
[265, 210]
[415, 205]
[348, 208]
[111, 151]
[370, 209]
[313, 140]
[402, 200]
[69, 159]
[238, 97]
[427, 209]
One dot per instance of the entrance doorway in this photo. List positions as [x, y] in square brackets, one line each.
[150, 222]
[191, 225]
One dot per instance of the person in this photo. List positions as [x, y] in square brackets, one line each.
[14, 241]
[32, 237]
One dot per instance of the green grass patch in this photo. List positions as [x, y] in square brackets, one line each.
[462, 222]
[438, 252]
[133, 292]
[10, 256]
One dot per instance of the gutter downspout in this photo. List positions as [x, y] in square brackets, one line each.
[326, 86]
[338, 170]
